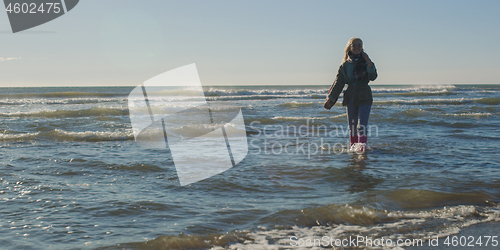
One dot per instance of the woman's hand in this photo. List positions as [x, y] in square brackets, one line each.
[328, 103]
[367, 59]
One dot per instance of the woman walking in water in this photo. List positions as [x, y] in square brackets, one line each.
[357, 70]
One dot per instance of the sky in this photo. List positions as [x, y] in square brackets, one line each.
[258, 42]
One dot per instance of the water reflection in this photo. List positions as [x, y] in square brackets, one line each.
[354, 172]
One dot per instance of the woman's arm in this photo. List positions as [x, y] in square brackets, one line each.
[371, 71]
[335, 89]
[337, 86]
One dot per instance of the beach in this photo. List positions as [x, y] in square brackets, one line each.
[72, 175]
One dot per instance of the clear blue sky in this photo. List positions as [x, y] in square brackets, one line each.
[265, 42]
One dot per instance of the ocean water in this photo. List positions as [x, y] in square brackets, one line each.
[73, 177]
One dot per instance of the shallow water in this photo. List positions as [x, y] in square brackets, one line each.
[72, 176]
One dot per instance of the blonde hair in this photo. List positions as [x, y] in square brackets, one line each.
[348, 47]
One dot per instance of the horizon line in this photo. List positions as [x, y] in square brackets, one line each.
[271, 85]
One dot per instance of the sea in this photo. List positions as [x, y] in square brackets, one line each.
[72, 175]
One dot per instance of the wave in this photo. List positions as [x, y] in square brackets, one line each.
[296, 118]
[196, 130]
[9, 136]
[68, 94]
[296, 104]
[410, 88]
[406, 200]
[264, 92]
[243, 93]
[259, 97]
[415, 113]
[375, 224]
[322, 90]
[300, 118]
[455, 101]
[488, 100]
[261, 121]
[415, 94]
[377, 96]
[287, 227]
[475, 115]
[92, 136]
[62, 135]
[70, 113]
[28, 101]
[438, 90]
[184, 241]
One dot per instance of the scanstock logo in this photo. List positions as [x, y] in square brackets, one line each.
[26, 14]
[205, 138]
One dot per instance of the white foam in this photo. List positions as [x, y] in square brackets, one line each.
[298, 118]
[95, 134]
[478, 114]
[428, 101]
[413, 88]
[4, 136]
[419, 225]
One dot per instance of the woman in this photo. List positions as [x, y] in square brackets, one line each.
[357, 70]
